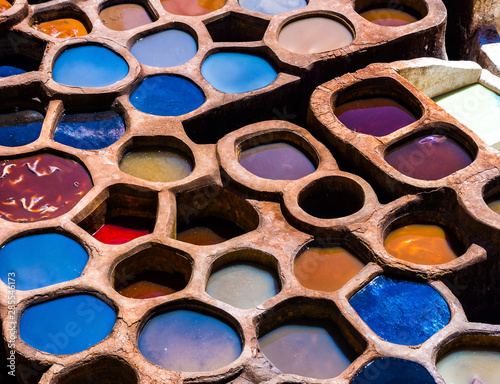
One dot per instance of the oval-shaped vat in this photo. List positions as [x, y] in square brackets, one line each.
[234, 72]
[464, 365]
[192, 7]
[89, 66]
[189, 341]
[275, 7]
[122, 17]
[67, 324]
[42, 260]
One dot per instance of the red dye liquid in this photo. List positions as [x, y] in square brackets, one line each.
[115, 234]
[40, 187]
[429, 158]
[377, 117]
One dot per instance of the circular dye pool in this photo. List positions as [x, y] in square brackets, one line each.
[165, 49]
[272, 7]
[326, 269]
[89, 130]
[421, 244]
[314, 35]
[62, 28]
[67, 325]
[392, 370]
[192, 7]
[167, 95]
[234, 72]
[42, 260]
[189, 341]
[276, 161]
[122, 17]
[429, 158]
[20, 128]
[388, 17]
[243, 285]
[156, 164]
[308, 349]
[41, 187]
[376, 116]
[89, 66]
[401, 312]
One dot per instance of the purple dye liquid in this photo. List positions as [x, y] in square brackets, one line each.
[430, 158]
[378, 116]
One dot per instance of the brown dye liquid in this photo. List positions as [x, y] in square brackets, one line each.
[314, 35]
[326, 269]
[208, 231]
[4, 5]
[192, 7]
[62, 28]
[153, 284]
[421, 244]
[388, 17]
[126, 16]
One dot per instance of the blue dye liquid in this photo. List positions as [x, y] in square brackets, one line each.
[7, 70]
[90, 130]
[67, 325]
[89, 66]
[233, 72]
[167, 96]
[388, 370]
[165, 49]
[272, 7]
[401, 312]
[42, 260]
[20, 128]
[189, 341]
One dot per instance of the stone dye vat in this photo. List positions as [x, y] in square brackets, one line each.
[189, 258]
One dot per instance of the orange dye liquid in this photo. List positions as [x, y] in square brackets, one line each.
[420, 244]
[146, 290]
[388, 17]
[326, 269]
[4, 5]
[62, 28]
[192, 7]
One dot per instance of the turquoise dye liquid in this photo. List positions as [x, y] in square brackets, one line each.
[42, 260]
[233, 72]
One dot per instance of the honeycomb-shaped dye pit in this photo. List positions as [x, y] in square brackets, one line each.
[422, 244]
[276, 161]
[67, 325]
[235, 72]
[19, 128]
[272, 7]
[42, 260]
[392, 370]
[156, 164]
[243, 285]
[165, 49]
[94, 130]
[314, 35]
[122, 17]
[326, 268]
[465, 365]
[41, 187]
[184, 340]
[308, 348]
[167, 95]
[401, 312]
[192, 7]
[429, 158]
[89, 66]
